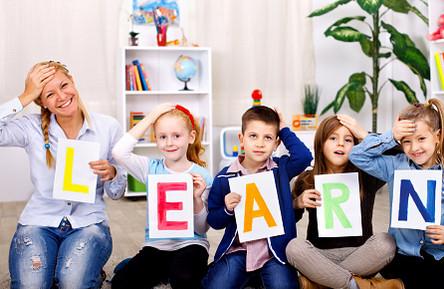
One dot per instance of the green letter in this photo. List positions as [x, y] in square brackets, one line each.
[333, 204]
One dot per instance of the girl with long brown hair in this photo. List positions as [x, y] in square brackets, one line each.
[338, 262]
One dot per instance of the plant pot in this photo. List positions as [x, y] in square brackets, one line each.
[305, 122]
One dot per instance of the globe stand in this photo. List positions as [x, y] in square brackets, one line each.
[185, 88]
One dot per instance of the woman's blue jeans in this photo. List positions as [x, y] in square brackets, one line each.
[40, 257]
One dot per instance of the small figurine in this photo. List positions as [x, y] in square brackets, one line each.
[133, 40]
[257, 96]
[439, 32]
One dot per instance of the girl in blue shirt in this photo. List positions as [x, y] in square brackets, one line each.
[57, 241]
[179, 261]
[419, 260]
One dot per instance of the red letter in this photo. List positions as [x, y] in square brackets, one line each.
[163, 206]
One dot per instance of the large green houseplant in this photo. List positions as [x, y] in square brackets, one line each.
[402, 49]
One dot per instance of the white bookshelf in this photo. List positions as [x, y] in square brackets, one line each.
[159, 65]
[436, 8]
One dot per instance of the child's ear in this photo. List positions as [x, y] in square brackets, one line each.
[241, 137]
[278, 142]
[192, 136]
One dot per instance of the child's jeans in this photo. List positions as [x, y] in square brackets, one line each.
[230, 272]
[69, 258]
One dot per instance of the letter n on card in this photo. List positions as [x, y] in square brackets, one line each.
[258, 215]
[416, 200]
[340, 212]
[74, 179]
[170, 206]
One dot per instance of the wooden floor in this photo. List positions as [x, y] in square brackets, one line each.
[127, 220]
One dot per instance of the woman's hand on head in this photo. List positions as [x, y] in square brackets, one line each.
[308, 199]
[349, 122]
[103, 169]
[403, 128]
[37, 78]
[199, 185]
[436, 233]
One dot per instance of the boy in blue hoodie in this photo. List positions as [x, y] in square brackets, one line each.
[236, 263]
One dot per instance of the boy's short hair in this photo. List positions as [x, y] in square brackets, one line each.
[261, 113]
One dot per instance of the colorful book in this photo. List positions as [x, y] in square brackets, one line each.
[439, 67]
[141, 76]
[137, 77]
[145, 76]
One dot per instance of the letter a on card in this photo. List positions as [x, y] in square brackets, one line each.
[170, 206]
[258, 215]
[340, 212]
[416, 201]
[74, 179]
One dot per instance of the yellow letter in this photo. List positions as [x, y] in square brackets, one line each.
[252, 195]
[67, 178]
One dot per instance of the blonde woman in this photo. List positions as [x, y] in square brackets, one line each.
[59, 243]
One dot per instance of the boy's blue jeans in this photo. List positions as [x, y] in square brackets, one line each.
[230, 272]
[69, 258]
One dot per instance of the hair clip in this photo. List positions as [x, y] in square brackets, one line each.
[188, 113]
[47, 146]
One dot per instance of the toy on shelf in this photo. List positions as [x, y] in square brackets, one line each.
[439, 32]
[161, 23]
[257, 96]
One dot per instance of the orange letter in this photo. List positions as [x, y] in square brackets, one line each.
[251, 196]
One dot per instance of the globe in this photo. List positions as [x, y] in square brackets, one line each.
[185, 69]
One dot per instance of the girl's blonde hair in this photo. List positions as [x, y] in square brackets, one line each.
[432, 113]
[46, 114]
[196, 149]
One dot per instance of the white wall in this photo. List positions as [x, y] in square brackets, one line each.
[336, 61]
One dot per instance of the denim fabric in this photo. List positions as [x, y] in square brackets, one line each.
[368, 156]
[70, 258]
[229, 273]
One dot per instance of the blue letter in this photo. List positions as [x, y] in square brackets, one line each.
[406, 190]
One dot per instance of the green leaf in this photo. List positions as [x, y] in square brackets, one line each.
[328, 8]
[405, 50]
[403, 6]
[348, 19]
[409, 94]
[418, 13]
[356, 97]
[356, 92]
[327, 108]
[358, 78]
[345, 33]
[400, 6]
[366, 46]
[340, 97]
[371, 6]
[385, 55]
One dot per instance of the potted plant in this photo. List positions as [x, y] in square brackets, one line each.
[401, 48]
[309, 120]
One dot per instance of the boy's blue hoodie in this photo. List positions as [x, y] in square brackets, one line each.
[287, 168]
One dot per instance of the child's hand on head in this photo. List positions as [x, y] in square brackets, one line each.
[436, 233]
[231, 201]
[403, 128]
[349, 122]
[308, 199]
[282, 123]
[199, 185]
[161, 109]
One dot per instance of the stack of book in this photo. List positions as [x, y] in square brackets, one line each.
[136, 77]
[439, 59]
[135, 117]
